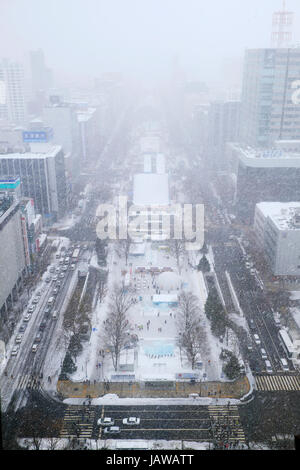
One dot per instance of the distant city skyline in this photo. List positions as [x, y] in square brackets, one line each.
[82, 39]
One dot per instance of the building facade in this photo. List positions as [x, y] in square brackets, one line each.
[270, 107]
[12, 255]
[261, 175]
[277, 229]
[12, 95]
[42, 175]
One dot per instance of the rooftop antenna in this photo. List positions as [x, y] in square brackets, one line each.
[282, 27]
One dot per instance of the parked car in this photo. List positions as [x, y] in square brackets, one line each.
[31, 309]
[251, 324]
[256, 339]
[35, 300]
[26, 317]
[105, 422]
[132, 421]
[62, 275]
[22, 328]
[111, 430]
[15, 351]
[18, 339]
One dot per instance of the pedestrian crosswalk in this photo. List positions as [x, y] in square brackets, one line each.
[276, 383]
[27, 381]
[78, 422]
[225, 423]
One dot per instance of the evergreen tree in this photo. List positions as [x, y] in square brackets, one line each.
[204, 265]
[68, 364]
[232, 368]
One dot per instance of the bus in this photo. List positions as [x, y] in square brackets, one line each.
[286, 343]
[75, 255]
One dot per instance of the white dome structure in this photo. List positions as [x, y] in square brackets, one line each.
[168, 281]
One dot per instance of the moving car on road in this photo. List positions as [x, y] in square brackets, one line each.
[34, 347]
[105, 422]
[256, 339]
[15, 351]
[111, 430]
[132, 421]
[18, 339]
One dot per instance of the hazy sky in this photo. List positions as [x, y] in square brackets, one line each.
[86, 37]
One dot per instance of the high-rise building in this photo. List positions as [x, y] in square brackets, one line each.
[42, 175]
[277, 229]
[12, 257]
[223, 127]
[62, 118]
[270, 107]
[259, 175]
[41, 75]
[12, 101]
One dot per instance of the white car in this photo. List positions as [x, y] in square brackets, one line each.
[15, 351]
[105, 422]
[112, 430]
[256, 339]
[26, 317]
[18, 339]
[31, 309]
[132, 421]
[62, 275]
[36, 300]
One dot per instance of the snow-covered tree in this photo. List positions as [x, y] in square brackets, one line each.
[116, 326]
[188, 326]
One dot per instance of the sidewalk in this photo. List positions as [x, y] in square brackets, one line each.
[168, 389]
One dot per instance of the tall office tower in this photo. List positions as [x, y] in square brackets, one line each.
[42, 80]
[270, 96]
[62, 118]
[40, 74]
[12, 102]
[223, 127]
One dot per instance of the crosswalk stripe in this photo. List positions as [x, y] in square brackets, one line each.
[277, 382]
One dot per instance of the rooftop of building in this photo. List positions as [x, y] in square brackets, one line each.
[266, 157]
[285, 215]
[151, 189]
[37, 151]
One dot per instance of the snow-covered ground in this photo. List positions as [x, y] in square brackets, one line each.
[157, 356]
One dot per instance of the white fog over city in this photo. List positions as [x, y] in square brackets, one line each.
[150, 228]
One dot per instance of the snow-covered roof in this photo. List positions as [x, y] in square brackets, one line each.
[151, 189]
[281, 213]
[165, 298]
[168, 281]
